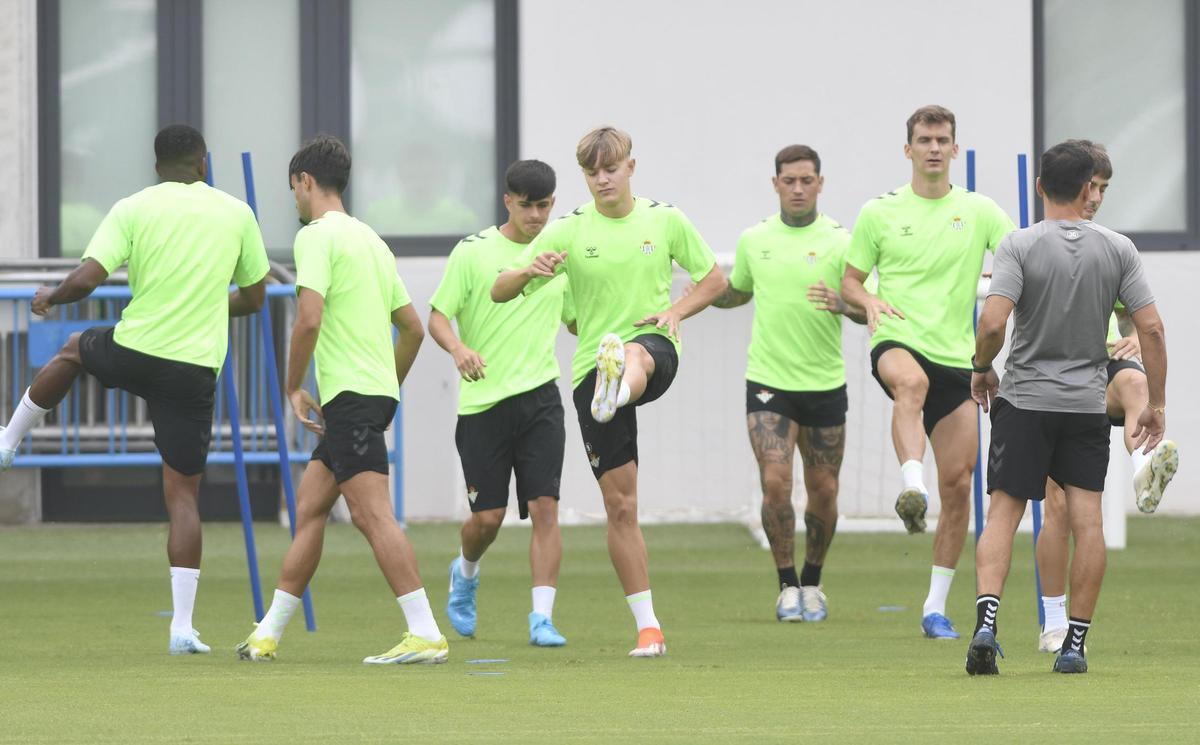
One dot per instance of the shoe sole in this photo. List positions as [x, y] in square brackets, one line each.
[1163, 466]
[610, 369]
[555, 643]
[790, 619]
[983, 657]
[417, 658]
[910, 506]
[654, 650]
[1073, 668]
[245, 653]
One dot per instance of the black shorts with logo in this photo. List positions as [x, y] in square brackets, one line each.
[948, 386]
[805, 408]
[354, 441]
[1114, 367]
[178, 395]
[522, 433]
[1027, 446]
[614, 443]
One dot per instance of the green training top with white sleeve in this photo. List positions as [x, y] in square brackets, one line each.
[349, 265]
[794, 345]
[184, 243]
[929, 253]
[619, 269]
[515, 339]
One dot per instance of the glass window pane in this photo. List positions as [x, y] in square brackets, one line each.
[109, 106]
[252, 103]
[423, 115]
[1115, 74]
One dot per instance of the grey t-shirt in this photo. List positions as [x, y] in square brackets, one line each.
[1064, 278]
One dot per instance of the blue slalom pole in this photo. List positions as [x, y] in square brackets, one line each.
[1023, 199]
[239, 462]
[398, 457]
[268, 338]
[977, 479]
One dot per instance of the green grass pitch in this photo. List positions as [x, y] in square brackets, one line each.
[83, 647]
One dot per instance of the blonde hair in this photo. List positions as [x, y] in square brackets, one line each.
[603, 147]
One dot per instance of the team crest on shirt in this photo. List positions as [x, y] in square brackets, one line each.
[591, 252]
[766, 253]
[957, 223]
[472, 494]
[764, 395]
[647, 247]
[592, 457]
[811, 258]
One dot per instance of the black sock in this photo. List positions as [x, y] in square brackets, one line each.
[810, 575]
[986, 608]
[787, 577]
[1077, 629]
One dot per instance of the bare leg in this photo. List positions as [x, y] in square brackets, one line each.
[182, 496]
[1126, 399]
[314, 499]
[1091, 556]
[639, 366]
[53, 382]
[626, 546]
[545, 545]
[1053, 549]
[994, 555]
[371, 509]
[821, 450]
[908, 384]
[478, 532]
[773, 439]
[955, 450]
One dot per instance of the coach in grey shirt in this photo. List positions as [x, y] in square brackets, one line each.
[1060, 278]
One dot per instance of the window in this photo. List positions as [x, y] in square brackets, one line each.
[1124, 75]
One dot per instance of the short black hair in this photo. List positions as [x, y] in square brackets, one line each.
[1066, 168]
[794, 153]
[531, 179]
[179, 144]
[326, 159]
[1104, 167]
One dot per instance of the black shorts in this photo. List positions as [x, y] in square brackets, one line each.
[178, 395]
[806, 408]
[614, 443]
[353, 441]
[1114, 367]
[1027, 446]
[522, 433]
[948, 386]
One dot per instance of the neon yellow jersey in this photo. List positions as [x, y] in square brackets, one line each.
[515, 339]
[619, 270]
[794, 346]
[345, 262]
[929, 254]
[184, 243]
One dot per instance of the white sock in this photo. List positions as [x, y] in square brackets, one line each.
[913, 473]
[282, 607]
[643, 610]
[1055, 607]
[183, 597]
[1139, 459]
[623, 394]
[419, 615]
[24, 418]
[939, 587]
[543, 600]
[467, 568]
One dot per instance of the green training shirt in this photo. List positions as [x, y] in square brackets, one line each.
[350, 266]
[184, 243]
[515, 339]
[929, 253]
[619, 270]
[794, 345]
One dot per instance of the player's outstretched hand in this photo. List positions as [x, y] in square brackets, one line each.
[302, 401]
[41, 301]
[876, 309]
[825, 298]
[470, 365]
[984, 387]
[1125, 348]
[668, 319]
[545, 263]
[1151, 426]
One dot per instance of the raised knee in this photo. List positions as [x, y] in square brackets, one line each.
[1134, 388]
[910, 385]
[70, 350]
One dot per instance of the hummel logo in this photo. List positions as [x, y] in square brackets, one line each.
[905, 231]
[360, 437]
[996, 455]
[764, 395]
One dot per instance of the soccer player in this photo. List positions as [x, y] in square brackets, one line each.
[184, 242]
[1125, 398]
[795, 374]
[349, 298]
[510, 416]
[1061, 277]
[617, 252]
[926, 240]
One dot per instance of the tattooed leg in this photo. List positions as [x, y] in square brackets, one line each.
[821, 450]
[773, 438]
